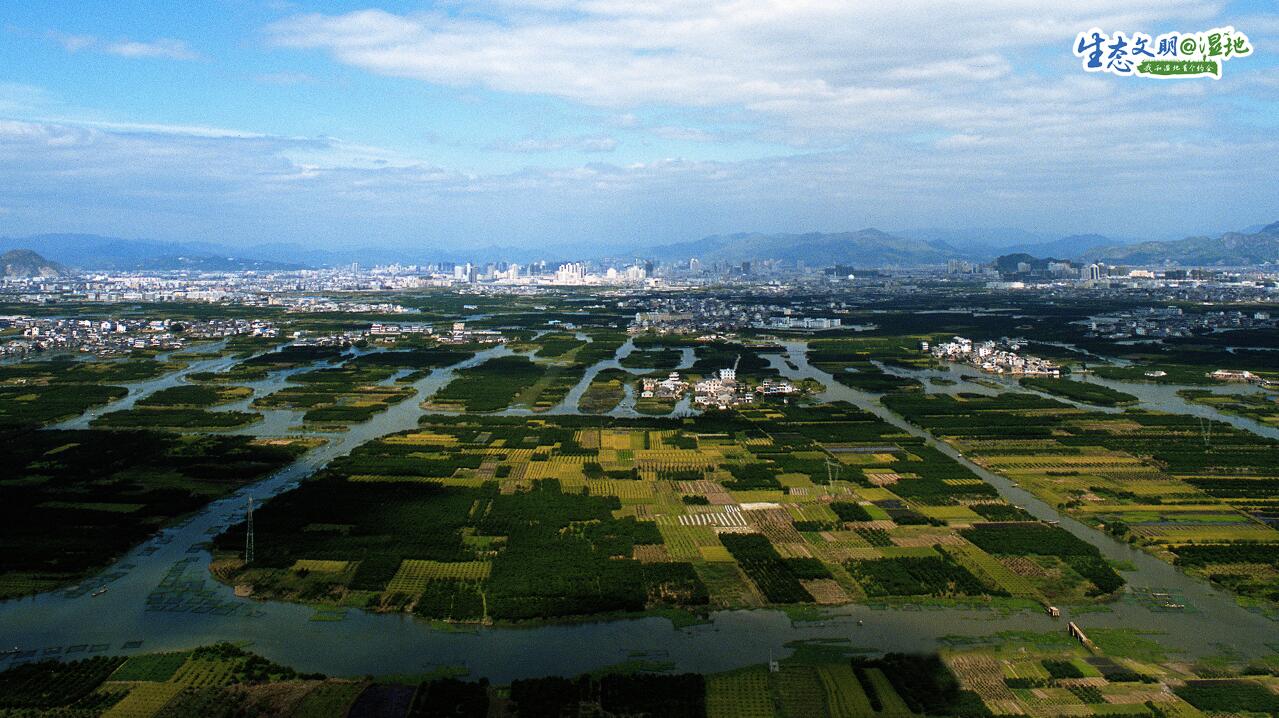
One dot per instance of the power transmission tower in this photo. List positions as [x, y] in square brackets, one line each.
[248, 535]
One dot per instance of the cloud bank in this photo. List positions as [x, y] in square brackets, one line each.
[893, 114]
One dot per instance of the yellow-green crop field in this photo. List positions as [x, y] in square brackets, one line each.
[1191, 491]
[729, 510]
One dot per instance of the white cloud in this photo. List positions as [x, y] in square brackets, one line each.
[591, 143]
[960, 141]
[241, 186]
[624, 54]
[806, 73]
[684, 134]
[75, 43]
[626, 119]
[156, 128]
[166, 48]
[978, 68]
[980, 114]
[285, 78]
[17, 98]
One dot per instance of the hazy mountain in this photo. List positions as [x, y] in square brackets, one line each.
[1074, 246]
[26, 264]
[1232, 249]
[91, 251]
[373, 255]
[864, 248]
[989, 240]
[211, 263]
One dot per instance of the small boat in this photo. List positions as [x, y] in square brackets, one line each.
[99, 592]
[860, 622]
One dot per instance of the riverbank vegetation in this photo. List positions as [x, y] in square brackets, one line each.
[1261, 406]
[350, 393]
[490, 386]
[606, 391]
[178, 419]
[976, 677]
[37, 393]
[71, 501]
[27, 404]
[1080, 391]
[194, 396]
[260, 366]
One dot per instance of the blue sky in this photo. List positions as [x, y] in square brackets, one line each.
[615, 123]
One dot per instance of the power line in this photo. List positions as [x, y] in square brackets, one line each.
[248, 535]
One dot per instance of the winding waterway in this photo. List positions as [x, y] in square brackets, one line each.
[75, 623]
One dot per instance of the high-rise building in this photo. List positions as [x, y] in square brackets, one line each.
[571, 273]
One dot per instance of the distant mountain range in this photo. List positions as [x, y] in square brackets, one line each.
[984, 244]
[90, 251]
[1232, 249]
[25, 264]
[977, 241]
[866, 248]
[873, 248]
[94, 252]
[1074, 246]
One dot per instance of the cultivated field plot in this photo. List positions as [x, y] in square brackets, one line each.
[1007, 674]
[144, 701]
[1043, 675]
[413, 576]
[143, 686]
[740, 694]
[351, 393]
[1185, 488]
[606, 391]
[507, 519]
